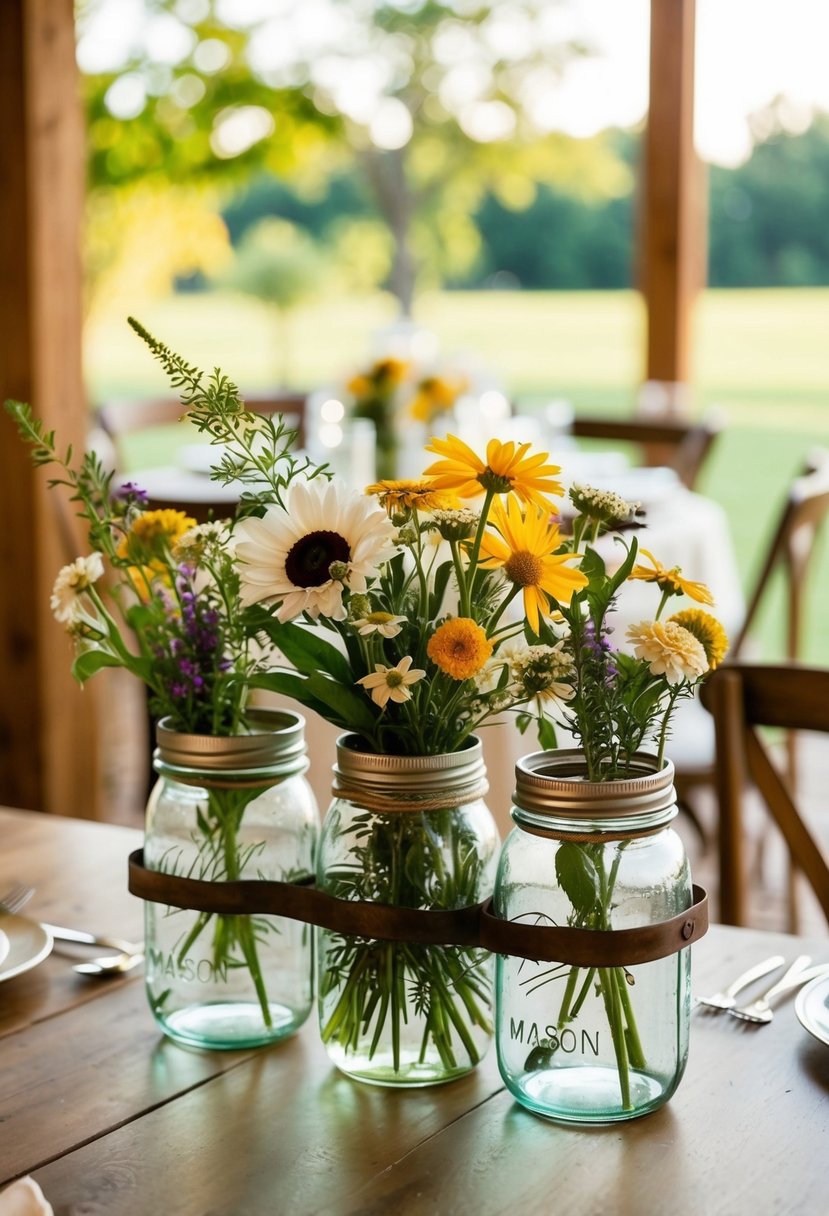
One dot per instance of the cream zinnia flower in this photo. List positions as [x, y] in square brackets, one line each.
[288, 554]
[393, 683]
[669, 650]
[68, 599]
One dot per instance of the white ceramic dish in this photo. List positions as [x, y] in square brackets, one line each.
[200, 457]
[812, 1008]
[29, 944]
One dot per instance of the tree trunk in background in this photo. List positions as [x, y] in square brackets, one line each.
[48, 727]
[387, 175]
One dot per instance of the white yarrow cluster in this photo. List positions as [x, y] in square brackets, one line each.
[204, 541]
[455, 524]
[544, 672]
[603, 505]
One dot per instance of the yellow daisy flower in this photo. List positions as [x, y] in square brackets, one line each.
[434, 396]
[421, 495]
[524, 546]
[707, 630]
[508, 469]
[671, 581]
[459, 647]
[151, 537]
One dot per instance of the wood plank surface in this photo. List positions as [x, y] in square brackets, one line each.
[113, 1120]
[79, 871]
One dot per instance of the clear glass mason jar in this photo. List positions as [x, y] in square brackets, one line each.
[592, 1045]
[226, 808]
[411, 831]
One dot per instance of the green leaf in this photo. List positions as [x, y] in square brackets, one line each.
[594, 570]
[91, 661]
[287, 684]
[627, 565]
[546, 734]
[351, 705]
[441, 579]
[304, 648]
[523, 722]
[578, 878]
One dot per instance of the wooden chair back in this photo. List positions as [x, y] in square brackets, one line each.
[793, 546]
[741, 698]
[120, 418]
[682, 446]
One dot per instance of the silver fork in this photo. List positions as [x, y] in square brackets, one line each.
[18, 896]
[727, 999]
[15, 898]
[799, 972]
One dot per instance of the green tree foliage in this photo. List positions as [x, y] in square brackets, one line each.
[437, 102]
[769, 216]
[279, 264]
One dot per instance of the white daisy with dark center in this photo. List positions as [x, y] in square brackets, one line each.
[288, 554]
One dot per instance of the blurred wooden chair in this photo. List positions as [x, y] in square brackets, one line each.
[792, 549]
[120, 419]
[683, 446]
[741, 698]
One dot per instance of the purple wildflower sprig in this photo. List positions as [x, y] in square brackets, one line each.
[198, 679]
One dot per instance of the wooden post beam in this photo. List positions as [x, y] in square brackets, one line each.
[47, 725]
[671, 216]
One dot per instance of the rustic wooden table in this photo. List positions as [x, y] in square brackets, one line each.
[110, 1118]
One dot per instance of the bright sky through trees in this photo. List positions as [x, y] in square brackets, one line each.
[748, 53]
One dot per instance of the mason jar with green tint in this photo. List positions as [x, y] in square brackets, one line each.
[592, 1044]
[410, 832]
[228, 808]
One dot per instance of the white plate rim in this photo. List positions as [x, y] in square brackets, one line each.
[43, 950]
[800, 1007]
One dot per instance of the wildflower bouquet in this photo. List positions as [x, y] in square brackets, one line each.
[161, 597]
[390, 608]
[392, 392]
[614, 702]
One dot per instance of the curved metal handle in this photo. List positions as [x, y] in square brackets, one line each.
[795, 975]
[754, 973]
[79, 938]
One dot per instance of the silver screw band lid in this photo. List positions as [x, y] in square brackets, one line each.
[451, 777]
[554, 783]
[275, 739]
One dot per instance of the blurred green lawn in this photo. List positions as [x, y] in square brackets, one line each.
[761, 356]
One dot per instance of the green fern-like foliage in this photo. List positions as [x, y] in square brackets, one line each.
[257, 446]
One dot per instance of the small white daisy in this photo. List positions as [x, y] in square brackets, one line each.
[68, 599]
[392, 683]
[383, 623]
[287, 556]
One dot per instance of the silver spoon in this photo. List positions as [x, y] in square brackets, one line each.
[112, 964]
